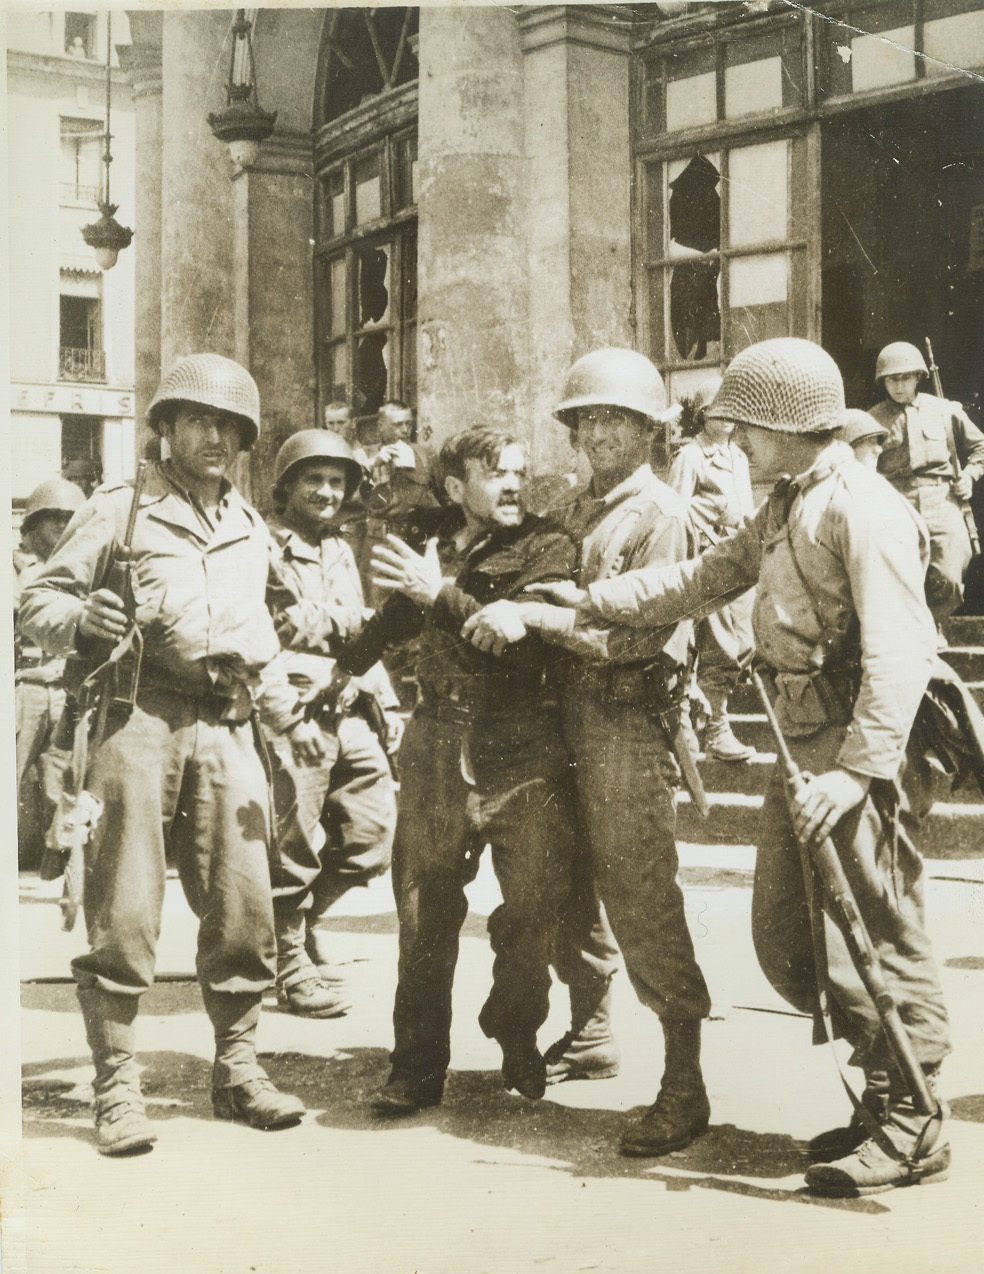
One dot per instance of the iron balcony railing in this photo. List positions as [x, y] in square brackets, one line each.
[81, 364]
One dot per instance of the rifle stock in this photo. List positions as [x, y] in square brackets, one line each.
[844, 910]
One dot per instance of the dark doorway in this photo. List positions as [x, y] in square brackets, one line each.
[902, 193]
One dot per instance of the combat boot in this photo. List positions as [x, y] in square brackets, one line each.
[316, 946]
[301, 988]
[122, 1126]
[681, 1112]
[837, 1142]
[720, 743]
[259, 1103]
[588, 1049]
[911, 1148]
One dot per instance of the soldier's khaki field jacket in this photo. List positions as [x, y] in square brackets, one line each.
[850, 547]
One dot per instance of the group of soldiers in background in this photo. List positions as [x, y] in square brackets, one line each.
[555, 671]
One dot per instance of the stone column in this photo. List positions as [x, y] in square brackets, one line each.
[472, 265]
[197, 229]
[142, 62]
[577, 136]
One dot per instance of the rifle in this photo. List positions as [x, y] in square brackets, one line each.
[79, 810]
[965, 506]
[844, 909]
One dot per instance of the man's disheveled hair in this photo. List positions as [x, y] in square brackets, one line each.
[481, 442]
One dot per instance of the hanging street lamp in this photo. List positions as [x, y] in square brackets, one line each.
[242, 125]
[106, 235]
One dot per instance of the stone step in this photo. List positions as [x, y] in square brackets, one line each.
[965, 630]
[966, 661]
[749, 778]
[952, 830]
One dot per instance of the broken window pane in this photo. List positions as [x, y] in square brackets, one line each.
[758, 199]
[371, 372]
[695, 316]
[373, 265]
[695, 205]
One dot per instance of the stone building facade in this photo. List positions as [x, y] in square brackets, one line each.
[458, 201]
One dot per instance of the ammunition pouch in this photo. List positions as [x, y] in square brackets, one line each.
[813, 699]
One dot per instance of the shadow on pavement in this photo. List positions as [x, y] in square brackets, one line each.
[167, 996]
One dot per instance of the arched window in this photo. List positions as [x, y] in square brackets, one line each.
[366, 208]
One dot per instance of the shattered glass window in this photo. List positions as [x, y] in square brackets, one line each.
[694, 208]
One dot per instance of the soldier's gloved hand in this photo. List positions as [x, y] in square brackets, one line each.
[560, 592]
[495, 627]
[825, 800]
[306, 743]
[103, 616]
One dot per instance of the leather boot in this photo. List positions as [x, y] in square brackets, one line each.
[259, 1103]
[588, 1049]
[720, 743]
[681, 1111]
[837, 1142]
[911, 1149]
[319, 953]
[122, 1126]
[301, 988]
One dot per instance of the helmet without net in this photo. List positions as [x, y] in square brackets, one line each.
[317, 444]
[211, 381]
[858, 426]
[56, 495]
[614, 378]
[900, 359]
[787, 384]
[704, 395]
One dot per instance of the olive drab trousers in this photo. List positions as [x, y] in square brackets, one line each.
[888, 884]
[174, 777]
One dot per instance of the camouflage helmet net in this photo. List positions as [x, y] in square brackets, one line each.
[788, 385]
[211, 381]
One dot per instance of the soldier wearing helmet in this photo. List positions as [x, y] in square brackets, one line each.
[711, 475]
[176, 769]
[622, 711]
[38, 691]
[933, 455]
[334, 795]
[865, 436]
[841, 618]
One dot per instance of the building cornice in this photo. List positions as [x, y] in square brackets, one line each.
[46, 66]
[595, 26]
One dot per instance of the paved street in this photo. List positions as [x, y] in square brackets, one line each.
[488, 1183]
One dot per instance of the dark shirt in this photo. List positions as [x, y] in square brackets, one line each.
[450, 671]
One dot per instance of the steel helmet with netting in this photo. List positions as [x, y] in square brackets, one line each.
[317, 444]
[900, 359]
[210, 380]
[55, 495]
[787, 384]
[614, 378]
